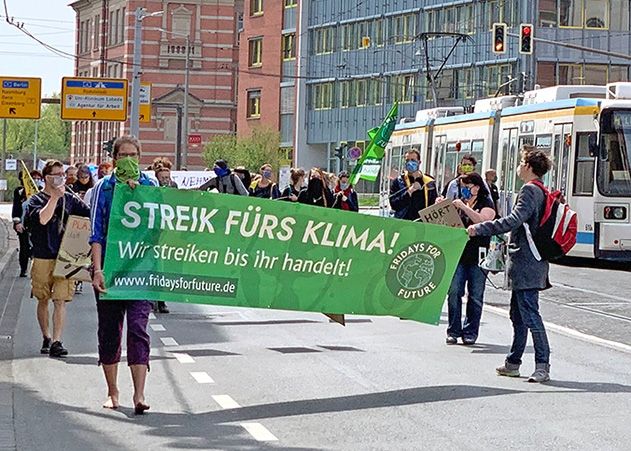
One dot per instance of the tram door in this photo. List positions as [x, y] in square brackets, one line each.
[507, 173]
[561, 157]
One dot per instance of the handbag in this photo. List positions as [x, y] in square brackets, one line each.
[494, 259]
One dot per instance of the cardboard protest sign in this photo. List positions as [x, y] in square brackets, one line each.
[443, 213]
[74, 258]
[199, 247]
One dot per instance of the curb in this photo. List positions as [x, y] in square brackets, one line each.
[9, 245]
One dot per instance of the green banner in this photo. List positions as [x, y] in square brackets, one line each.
[208, 248]
[369, 164]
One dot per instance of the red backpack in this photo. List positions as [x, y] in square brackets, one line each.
[557, 230]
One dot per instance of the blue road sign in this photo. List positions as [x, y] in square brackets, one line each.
[14, 84]
[95, 84]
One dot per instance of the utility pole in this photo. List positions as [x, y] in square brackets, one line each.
[134, 120]
[186, 82]
[35, 145]
[4, 146]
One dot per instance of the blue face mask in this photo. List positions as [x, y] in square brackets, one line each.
[220, 172]
[411, 165]
[465, 193]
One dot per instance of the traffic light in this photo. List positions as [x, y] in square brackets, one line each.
[499, 38]
[525, 39]
[341, 150]
[108, 146]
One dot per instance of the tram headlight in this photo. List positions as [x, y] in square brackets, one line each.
[616, 213]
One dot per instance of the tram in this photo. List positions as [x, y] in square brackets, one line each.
[585, 129]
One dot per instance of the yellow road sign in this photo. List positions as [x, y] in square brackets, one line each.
[20, 98]
[145, 102]
[93, 99]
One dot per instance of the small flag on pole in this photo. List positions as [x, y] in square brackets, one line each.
[30, 187]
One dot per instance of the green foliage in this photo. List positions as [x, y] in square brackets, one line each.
[53, 138]
[12, 183]
[250, 151]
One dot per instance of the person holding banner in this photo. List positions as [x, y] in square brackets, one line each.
[297, 179]
[20, 196]
[474, 208]
[527, 274]
[412, 191]
[111, 314]
[344, 194]
[45, 217]
[316, 193]
[264, 187]
[225, 181]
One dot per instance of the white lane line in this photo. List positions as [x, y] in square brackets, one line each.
[183, 358]
[157, 327]
[168, 341]
[598, 293]
[570, 332]
[152, 316]
[226, 402]
[202, 377]
[259, 432]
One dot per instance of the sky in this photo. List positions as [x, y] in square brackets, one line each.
[52, 21]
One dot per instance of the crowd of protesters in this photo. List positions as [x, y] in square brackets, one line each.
[40, 221]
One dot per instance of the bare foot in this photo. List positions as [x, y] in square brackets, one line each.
[112, 401]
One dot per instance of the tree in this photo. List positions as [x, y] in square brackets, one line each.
[53, 137]
[250, 151]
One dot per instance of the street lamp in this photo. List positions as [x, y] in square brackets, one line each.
[186, 87]
[140, 14]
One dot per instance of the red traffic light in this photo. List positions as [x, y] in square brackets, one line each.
[526, 30]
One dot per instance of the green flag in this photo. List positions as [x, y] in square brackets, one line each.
[368, 166]
[208, 248]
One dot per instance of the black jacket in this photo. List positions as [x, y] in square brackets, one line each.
[19, 197]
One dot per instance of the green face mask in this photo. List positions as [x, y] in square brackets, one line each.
[127, 169]
[466, 168]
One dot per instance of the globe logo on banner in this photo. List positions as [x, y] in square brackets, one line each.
[416, 271]
[354, 153]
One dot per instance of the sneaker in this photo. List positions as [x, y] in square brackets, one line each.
[23, 274]
[46, 345]
[57, 350]
[541, 374]
[468, 341]
[451, 340]
[508, 370]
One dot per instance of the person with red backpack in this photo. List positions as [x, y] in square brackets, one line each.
[528, 273]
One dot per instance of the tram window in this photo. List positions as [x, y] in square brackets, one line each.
[544, 142]
[584, 165]
[477, 150]
[527, 139]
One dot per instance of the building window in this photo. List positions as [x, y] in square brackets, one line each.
[345, 94]
[256, 7]
[377, 32]
[619, 15]
[500, 11]
[254, 104]
[375, 92]
[291, 3]
[596, 13]
[403, 88]
[360, 92]
[347, 36]
[570, 74]
[255, 55]
[404, 28]
[547, 13]
[618, 73]
[121, 25]
[97, 32]
[571, 13]
[323, 96]
[289, 47]
[324, 40]
[546, 74]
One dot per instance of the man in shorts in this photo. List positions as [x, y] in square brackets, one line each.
[46, 216]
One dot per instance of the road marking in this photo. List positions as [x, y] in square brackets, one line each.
[157, 327]
[168, 341]
[598, 293]
[569, 332]
[152, 316]
[183, 358]
[226, 402]
[259, 432]
[603, 304]
[202, 377]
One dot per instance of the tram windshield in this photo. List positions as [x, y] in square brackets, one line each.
[614, 168]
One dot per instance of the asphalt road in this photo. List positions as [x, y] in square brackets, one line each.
[230, 378]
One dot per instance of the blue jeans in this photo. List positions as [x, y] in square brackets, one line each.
[475, 278]
[524, 313]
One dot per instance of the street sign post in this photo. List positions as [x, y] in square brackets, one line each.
[20, 98]
[145, 102]
[93, 99]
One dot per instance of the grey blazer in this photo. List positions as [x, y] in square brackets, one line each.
[524, 271]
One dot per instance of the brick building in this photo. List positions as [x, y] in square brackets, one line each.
[267, 68]
[104, 43]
